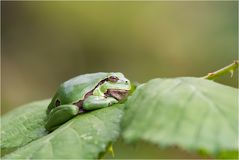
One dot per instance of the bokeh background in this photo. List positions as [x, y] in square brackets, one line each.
[46, 43]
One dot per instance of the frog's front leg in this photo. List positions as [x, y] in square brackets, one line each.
[96, 102]
[60, 115]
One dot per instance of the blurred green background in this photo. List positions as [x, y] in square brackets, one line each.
[46, 43]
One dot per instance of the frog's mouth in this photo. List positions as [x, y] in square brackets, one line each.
[118, 94]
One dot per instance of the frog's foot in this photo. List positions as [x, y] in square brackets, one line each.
[60, 115]
[97, 102]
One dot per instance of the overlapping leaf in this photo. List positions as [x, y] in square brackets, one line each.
[85, 136]
[191, 113]
[23, 125]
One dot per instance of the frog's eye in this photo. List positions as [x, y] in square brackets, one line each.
[113, 79]
[57, 103]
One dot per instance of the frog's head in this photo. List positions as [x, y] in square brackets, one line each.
[116, 86]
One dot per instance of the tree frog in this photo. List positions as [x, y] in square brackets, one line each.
[85, 93]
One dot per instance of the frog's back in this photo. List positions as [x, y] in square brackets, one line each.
[74, 89]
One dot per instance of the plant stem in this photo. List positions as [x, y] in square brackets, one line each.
[230, 68]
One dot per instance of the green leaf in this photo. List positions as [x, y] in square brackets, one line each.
[192, 113]
[23, 125]
[84, 136]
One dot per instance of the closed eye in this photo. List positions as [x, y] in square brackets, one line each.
[113, 79]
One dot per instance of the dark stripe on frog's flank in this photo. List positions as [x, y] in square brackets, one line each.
[118, 94]
[80, 102]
